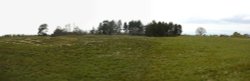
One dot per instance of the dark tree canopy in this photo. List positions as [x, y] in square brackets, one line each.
[58, 31]
[109, 27]
[42, 30]
[125, 28]
[163, 29]
[136, 27]
[93, 31]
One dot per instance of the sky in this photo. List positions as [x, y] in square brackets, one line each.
[216, 16]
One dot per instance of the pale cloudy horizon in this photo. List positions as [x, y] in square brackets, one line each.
[216, 16]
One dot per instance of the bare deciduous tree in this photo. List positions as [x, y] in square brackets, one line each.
[200, 31]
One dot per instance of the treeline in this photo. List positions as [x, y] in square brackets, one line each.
[117, 27]
[59, 31]
[135, 27]
[200, 31]
[107, 27]
[235, 34]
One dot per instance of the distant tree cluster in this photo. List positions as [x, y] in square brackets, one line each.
[134, 27]
[67, 30]
[108, 28]
[163, 29]
[115, 27]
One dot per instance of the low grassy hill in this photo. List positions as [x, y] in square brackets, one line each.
[124, 58]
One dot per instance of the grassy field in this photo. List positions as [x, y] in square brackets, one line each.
[124, 58]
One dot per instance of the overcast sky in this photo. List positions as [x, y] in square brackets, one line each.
[217, 16]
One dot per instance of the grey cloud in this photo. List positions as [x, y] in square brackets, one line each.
[238, 19]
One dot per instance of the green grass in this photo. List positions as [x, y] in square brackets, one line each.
[124, 58]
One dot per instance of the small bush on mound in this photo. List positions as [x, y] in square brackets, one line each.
[223, 35]
[237, 34]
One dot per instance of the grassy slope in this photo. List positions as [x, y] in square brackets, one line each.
[202, 59]
[124, 58]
